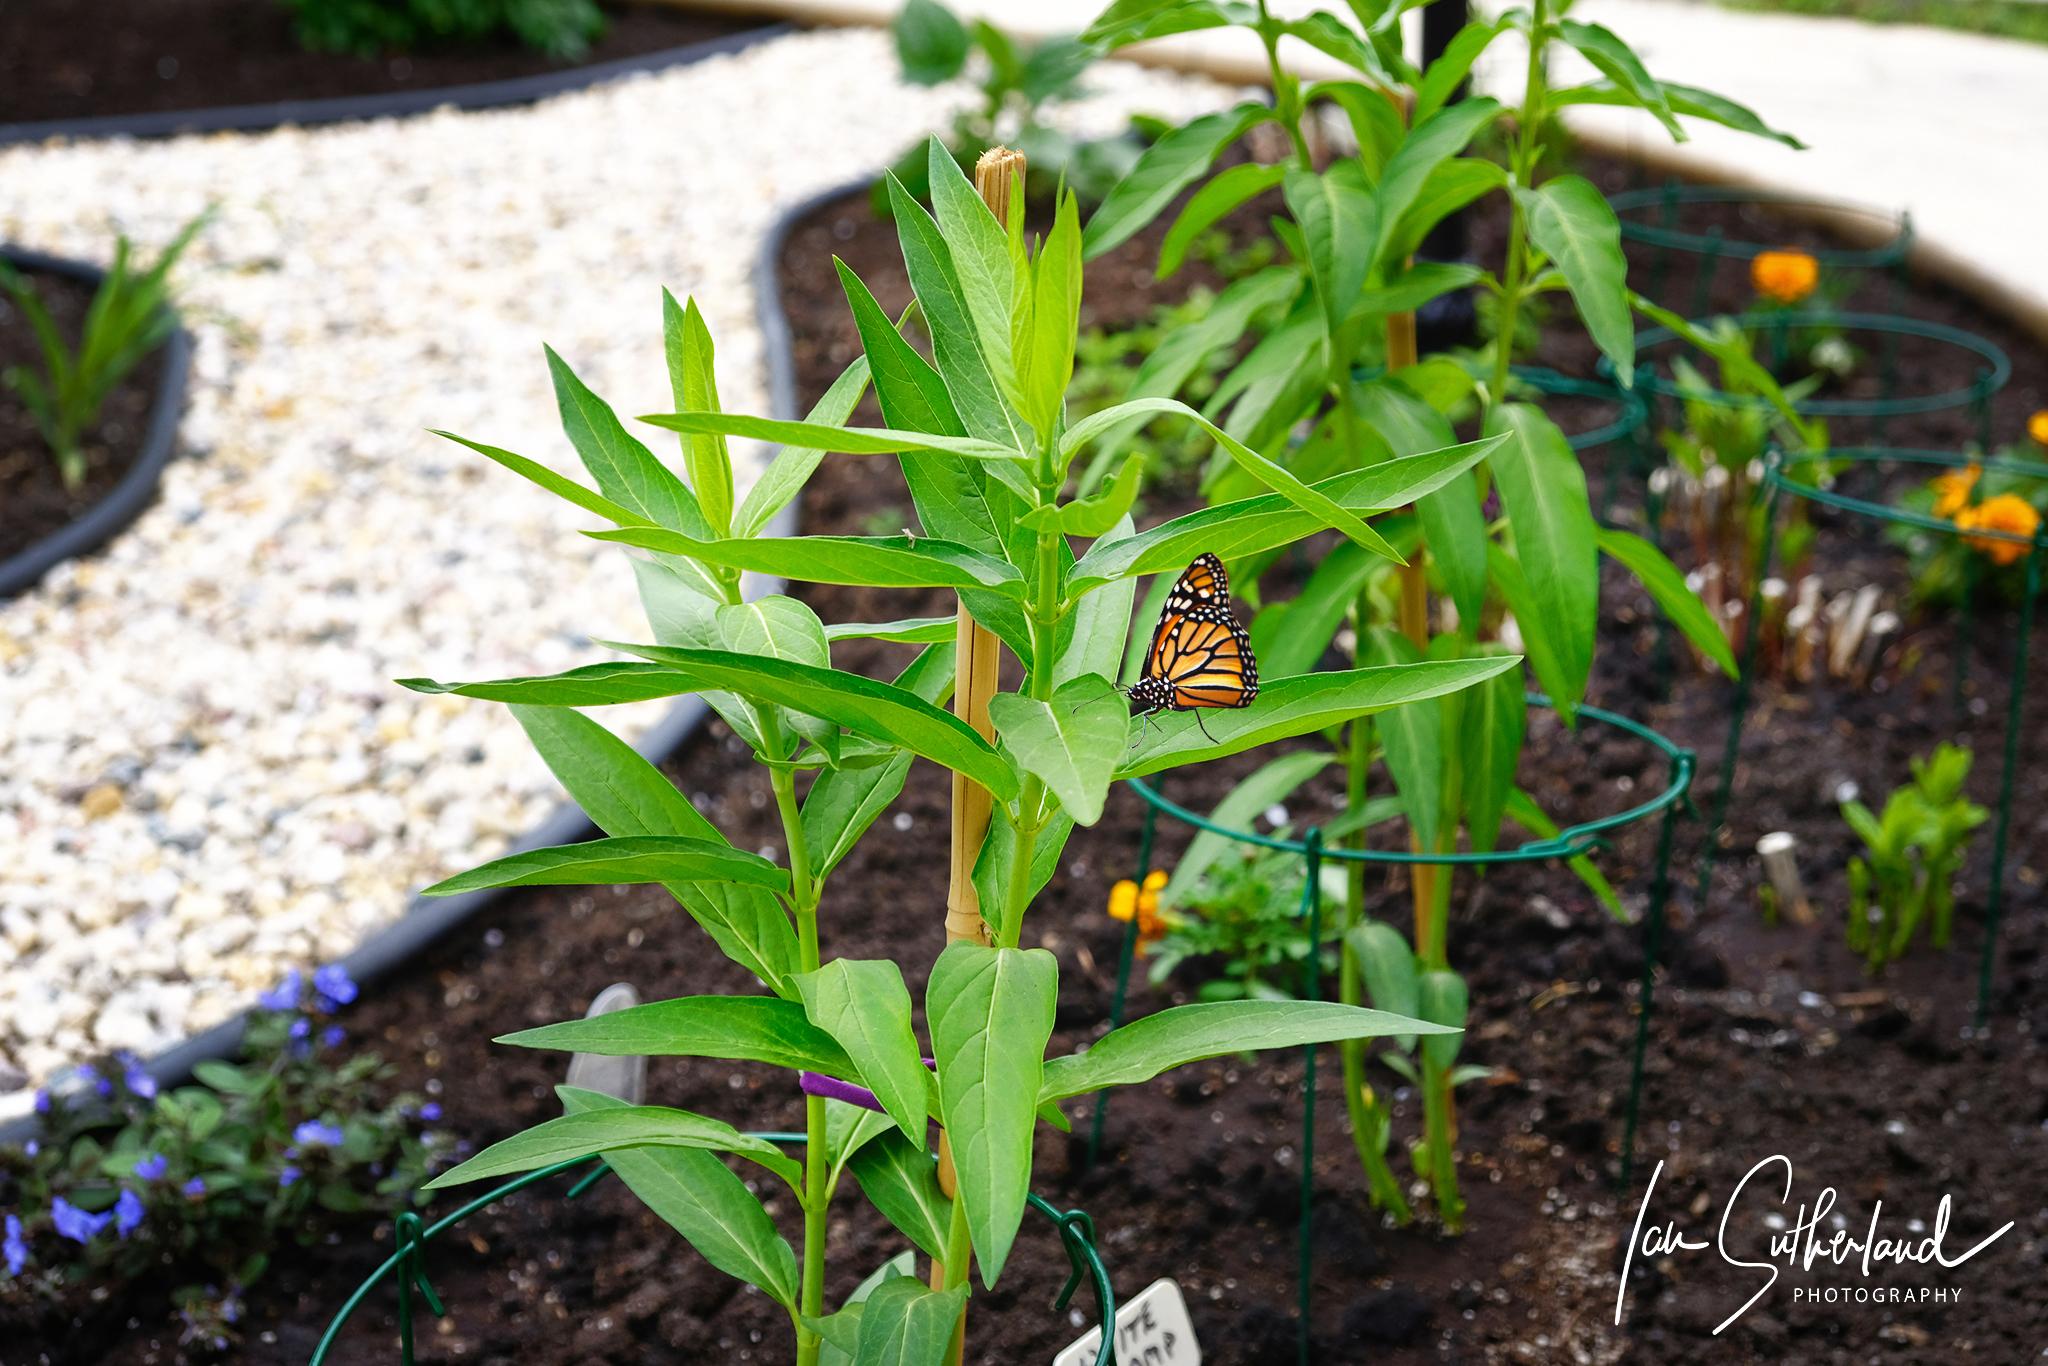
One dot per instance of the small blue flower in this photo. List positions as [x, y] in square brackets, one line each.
[151, 1167]
[43, 1101]
[90, 1077]
[315, 1133]
[285, 995]
[288, 1176]
[335, 986]
[140, 1083]
[74, 1223]
[333, 1036]
[431, 1112]
[128, 1212]
[301, 1027]
[194, 1188]
[31, 1148]
[15, 1247]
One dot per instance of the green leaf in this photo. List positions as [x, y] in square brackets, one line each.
[1618, 62]
[1453, 527]
[1440, 999]
[1687, 100]
[909, 631]
[737, 1028]
[593, 685]
[902, 1181]
[1543, 491]
[880, 711]
[1102, 621]
[1226, 192]
[991, 1014]
[699, 1197]
[1572, 223]
[1453, 65]
[1388, 966]
[1328, 511]
[1131, 21]
[1287, 707]
[981, 259]
[1327, 34]
[601, 1131]
[1523, 811]
[779, 627]
[621, 792]
[1072, 742]
[870, 561]
[1429, 144]
[906, 1323]
[1339, 222]
[1490, 747]
[994, 866]
[1290, 637]
[560, 485]
[1450, 186]
[640, 858]
[912, 395]
[1142, 1049]
[1271, 782]
[834, 440]
[1245, 527]
[1375, 120]
[1099, 511]
[1661, 579]
[749, 926]
[931, 42]
[687, 342]
[1416, 286]
[792, 466]
[1042, 341]
[626, 471]
[864, 1006]
[1167, 167]
[1412, 738]
[942, 300]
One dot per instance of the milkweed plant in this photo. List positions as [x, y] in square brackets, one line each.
[980, 433]
[1510, 548]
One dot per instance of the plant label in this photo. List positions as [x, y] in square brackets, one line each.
[1152, 1330]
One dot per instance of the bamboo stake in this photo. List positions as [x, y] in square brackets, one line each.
[977, 655]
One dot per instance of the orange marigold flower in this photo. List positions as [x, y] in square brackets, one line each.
[1155, 879]
[1952, 490]
[2037, 427]
[2007, 512]
[1123, 900]
[1784, 276]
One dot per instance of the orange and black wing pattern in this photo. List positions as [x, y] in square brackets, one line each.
[1200, 656]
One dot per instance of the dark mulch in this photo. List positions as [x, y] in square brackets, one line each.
[33, 498]
[1766, 1040]
[72, 59]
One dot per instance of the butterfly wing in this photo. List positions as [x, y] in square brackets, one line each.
[1200, 655]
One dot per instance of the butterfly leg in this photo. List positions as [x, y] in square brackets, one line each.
[1204, 729]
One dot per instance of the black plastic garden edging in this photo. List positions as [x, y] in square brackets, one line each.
[136, 489]
[427, 920]
[251, 118]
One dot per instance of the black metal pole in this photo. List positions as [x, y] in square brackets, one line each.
[1449, 319]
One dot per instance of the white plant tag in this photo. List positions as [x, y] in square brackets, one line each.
[1152, 1330]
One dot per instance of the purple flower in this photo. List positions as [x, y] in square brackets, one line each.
[317, 1134]
[335, 986]
[74, 1223]
[31, 1148]
[43, 1101]
[285, 995]
[301, 1027]
[431, 1112]
[15, 1247]
[288, 1176]
[151, 1167]
[194, 1188]
[128, 1212]
[90, 1077]
[140, 1083]
[333, 1036]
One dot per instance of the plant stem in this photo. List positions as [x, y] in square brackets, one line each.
[1528, 148]
[1286, 100]
[804, 897]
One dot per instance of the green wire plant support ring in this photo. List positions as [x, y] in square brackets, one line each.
[408, 1262]
[1568, 843]
[1778, 481]
[1629, 427]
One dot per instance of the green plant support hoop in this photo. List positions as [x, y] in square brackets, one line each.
[408, 1262]
[1568, 844]
[1653, 218]
[1777, 482]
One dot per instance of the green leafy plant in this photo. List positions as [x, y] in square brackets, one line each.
[1913, 852]
[981, 434]
[1018, 83]
[129, 317]
[1328, 358]
[124, 1181]
[2006, 495]
[563, 29]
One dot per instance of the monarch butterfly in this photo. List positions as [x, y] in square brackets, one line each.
[1200, 656]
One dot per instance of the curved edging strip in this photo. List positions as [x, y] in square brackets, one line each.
[426, 921]
[247, 118]
[136, 489]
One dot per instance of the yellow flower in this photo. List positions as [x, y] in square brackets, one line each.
[2037, 427]
[1784, 276]
[1155, 879]
[2007, 512]
[1123, 900]
[1952, 490]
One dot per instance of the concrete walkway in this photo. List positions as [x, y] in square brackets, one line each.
[1949, 126]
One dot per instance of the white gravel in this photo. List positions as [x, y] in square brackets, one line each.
[206, 774]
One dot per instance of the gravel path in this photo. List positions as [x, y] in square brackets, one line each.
[205, 772]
